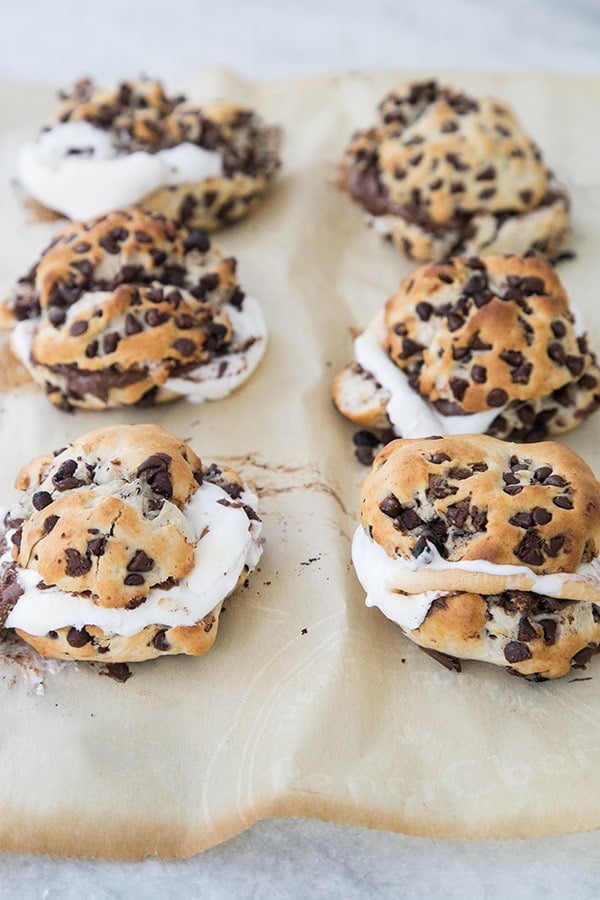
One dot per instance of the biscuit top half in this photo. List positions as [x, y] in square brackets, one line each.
[103, 517]
[140, 116]
[478, 498]
[436, 153]
[477, 333]
[127, 289]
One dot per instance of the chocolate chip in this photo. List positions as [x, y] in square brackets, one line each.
[82, 247]
[497, 397]
[156, 470]
[521, 520]
[563, 502]
[110, 341]
[424, 310]
[541, 516]
[64, 472]
[513, 489]
[487, 174]
[476, 343]
[158, 256]
[154, 317]
[532, 285]
[97, 546]
[133, 580]
[575, 365]
[78, 327]
[390, 506]
[458, 386]
[77, 565]
[197, 240]
[438, 458]
[41, 499]
[92, 349]
[142, 237]
[526, 630]
[160, 640]
[479, 374]
[529, 550]
[581, 659]
[409, 519]
[210, 281]
[78, 638]
[57, 316]
[522, 374]
[49, 523]
[557, 353]
[559, 329]
[454, 321]
[555, 481]
[448, 662]
[460, 353]
[140, 562]
[155, 295]
[365, 438]
[409, 348]
[515, 652]
[549, 627]
[184, 346]
[185, 321]
[459, 474]
[542, 473]
[457, 514]
[479, 518]
[132, 326]
[555, 545]
[512, 357]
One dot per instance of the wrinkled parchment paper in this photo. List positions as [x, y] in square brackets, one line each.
[309, 704]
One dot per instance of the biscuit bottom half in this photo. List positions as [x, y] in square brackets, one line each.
[91, 643]
[530, 634]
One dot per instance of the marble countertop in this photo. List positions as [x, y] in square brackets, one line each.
[56, 42]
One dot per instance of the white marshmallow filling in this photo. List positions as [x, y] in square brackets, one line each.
[228, 542]
[380, 576]
[75, 169]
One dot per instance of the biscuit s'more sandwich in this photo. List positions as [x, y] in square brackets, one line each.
[486, 550]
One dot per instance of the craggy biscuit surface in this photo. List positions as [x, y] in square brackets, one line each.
[105, 518]
[444, 173]
[121, 303]
[477, 498]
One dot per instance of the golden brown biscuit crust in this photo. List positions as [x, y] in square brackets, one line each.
[477, 498]
[445, 173]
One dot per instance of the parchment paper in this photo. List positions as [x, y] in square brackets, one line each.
[309, 704]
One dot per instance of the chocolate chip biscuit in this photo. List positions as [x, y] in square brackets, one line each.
[138, 117]
[442, 173]
[123, 546]
[491, 337]
[130, 308]
[482, 549]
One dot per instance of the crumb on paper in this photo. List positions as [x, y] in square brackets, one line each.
[20, 663]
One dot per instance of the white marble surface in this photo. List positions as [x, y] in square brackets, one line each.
[58, 41]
